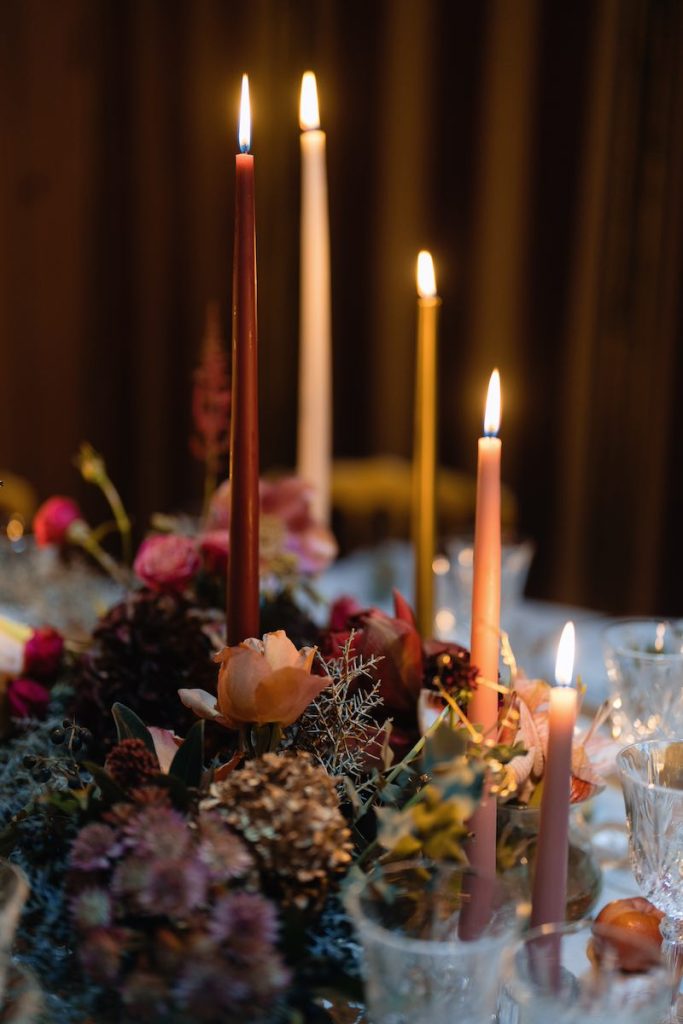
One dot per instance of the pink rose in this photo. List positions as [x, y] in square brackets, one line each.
[53, 519]
[314, 548]
[214, 547]
[43, 653]
[27, 699]
[167, 561]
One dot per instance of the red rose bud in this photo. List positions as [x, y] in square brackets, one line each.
[52, 520]
[43, 653]
[27, 699]
[37, 652]
[343, 609]
[214, 546]
[167, 561]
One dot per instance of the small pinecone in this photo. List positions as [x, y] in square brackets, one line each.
[287, 811]
[144, 650]
[131, 764]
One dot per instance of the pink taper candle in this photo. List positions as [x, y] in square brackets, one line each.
[243, 563]
[550, 877]
[483, 707]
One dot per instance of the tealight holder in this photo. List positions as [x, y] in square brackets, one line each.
[410, 918]
[575, 974]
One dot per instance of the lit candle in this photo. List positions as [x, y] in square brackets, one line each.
[424, 457]
[483, 707]
[314, 446]
[550, 876]
[243, 563]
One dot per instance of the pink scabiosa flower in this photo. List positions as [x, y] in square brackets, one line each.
[27, 699]
[52, 520]
[167, 561]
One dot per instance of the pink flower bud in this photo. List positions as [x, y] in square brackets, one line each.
[53, 519]
[167, 561]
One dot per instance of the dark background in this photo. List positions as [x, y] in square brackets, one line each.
[535, 147]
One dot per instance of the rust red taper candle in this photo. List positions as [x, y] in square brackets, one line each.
[552, 850]
[243, 562]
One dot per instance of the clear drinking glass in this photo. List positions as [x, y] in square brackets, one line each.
[419, 969]
[644, 662]
[572, 974]
[651, 775]
[13, 893]
[516, 559]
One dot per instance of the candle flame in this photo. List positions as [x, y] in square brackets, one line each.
[426, 282]
[564, 666]
[492, 413]
[245, 117]
[309, 112]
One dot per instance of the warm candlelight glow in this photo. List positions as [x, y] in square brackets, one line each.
[426, 282]
[492, 414]
[245, 116]
[564, 666]
[309, 113]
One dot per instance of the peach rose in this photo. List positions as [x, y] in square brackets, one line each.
[259, 681]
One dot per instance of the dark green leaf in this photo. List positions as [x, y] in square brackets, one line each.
[109, 789]
[130, 727]
[188, 763]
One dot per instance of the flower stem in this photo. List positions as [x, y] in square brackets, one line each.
[120, 515]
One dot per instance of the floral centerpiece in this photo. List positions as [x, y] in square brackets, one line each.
[187, 812]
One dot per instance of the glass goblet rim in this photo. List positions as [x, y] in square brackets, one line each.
[626, 769]
[619, 647]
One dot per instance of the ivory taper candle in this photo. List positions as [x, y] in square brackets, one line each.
[314, 444]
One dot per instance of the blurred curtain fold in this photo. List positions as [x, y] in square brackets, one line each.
[536, 148]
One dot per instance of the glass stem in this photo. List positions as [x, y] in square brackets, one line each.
[672, 948]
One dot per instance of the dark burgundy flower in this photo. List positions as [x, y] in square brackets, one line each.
[53, 519]
[400, 670]
[43, 653]
[27, 699]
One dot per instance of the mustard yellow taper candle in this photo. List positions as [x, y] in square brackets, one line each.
[424, 455]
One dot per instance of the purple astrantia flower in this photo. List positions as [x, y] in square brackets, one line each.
[130, 878]
[224, 853]
[247, 922]
[174, 887]
[157, 831]
[91, 908]
[102, 954]
[95, 848]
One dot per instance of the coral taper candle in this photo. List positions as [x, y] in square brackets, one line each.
[552, 850]
[424, 455]
[243, 563]
[314, 444]
[485, 644]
